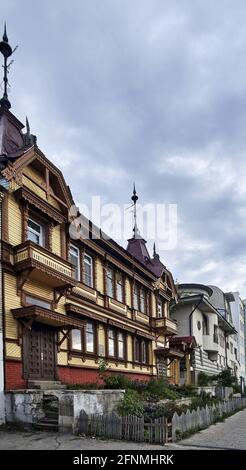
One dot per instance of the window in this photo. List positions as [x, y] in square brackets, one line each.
[120, 346]
[76, 340]
[88, 270]
[160, 308]
[89, 337]
[35, 301]
[143, 301]
[231, 348]
[74, 258]
[119, 286]
[140, 299]
[35, 232]
[204, 325]
[136, 298]
[110, 282]
[111, 342]
[235, 352]
[141, 351]
[144, 352]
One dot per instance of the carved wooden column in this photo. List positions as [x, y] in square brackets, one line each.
[25, 216]
[49, 235]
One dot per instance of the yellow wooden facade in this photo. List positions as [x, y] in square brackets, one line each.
[37, 188]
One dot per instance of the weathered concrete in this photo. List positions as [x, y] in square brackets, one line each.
[26, 406]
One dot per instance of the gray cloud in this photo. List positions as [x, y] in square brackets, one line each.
[155, 92]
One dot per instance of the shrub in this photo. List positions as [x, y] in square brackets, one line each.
[203, 379]
[116, 382]
[226, 379]
[139, 385]
[86, 386]
[157, 387]
[186, 390]
[131, 404]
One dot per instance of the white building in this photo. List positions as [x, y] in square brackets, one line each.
[238, 315]
[204, 312]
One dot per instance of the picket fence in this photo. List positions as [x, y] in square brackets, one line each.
[156, 431]
[202, 417]
[130, 428]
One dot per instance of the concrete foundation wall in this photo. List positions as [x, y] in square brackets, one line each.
[26, 407]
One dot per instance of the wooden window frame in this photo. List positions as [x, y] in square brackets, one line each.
[24, 302]
[116, 344]
[138, 345]
[83, 351]
[44, 224]
[140, 289]
[73, 245]
[85, 253]
[114, 283]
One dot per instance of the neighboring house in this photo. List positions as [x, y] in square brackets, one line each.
[238, 315]
[222, 303]
[197, 316]
[69, 303]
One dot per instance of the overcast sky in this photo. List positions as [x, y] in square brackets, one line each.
[151, 91]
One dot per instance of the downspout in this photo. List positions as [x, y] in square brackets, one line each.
[190, 316]
[191, 313]
[2, 401]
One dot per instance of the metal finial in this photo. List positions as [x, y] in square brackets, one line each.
[5, 37]
[27, 126]
[155, 255]
[134, 199]
[6, 51]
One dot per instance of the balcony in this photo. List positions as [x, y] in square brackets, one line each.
[32, 261]
[164, 326]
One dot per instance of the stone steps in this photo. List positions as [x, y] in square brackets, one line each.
[45, 385]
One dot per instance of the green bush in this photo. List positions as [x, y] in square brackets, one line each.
[131, 404]
[116, 382]
[86, 386]
[156, 387]
[226, 379]
[186, 390]
[203, 379]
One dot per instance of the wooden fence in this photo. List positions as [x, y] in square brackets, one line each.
[130, 428]
[156, 431]
[202, 417]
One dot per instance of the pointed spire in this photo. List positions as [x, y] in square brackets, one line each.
[6, 51]
[154, 251]
[27, 127]
[5, 37]
[135, 199]
[155, 254]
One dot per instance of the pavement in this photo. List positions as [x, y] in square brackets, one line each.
[230, 434]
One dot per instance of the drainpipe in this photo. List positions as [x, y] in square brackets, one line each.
[2, 401]
[190, 319]
[191, 313]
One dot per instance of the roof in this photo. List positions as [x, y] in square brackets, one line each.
[189, 340]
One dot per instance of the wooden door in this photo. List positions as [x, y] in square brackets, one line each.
[39, 353]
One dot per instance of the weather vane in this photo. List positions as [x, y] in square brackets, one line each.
[7, 51]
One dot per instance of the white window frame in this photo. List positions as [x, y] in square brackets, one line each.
[77, 255]
[32, 230]
[87, 257]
